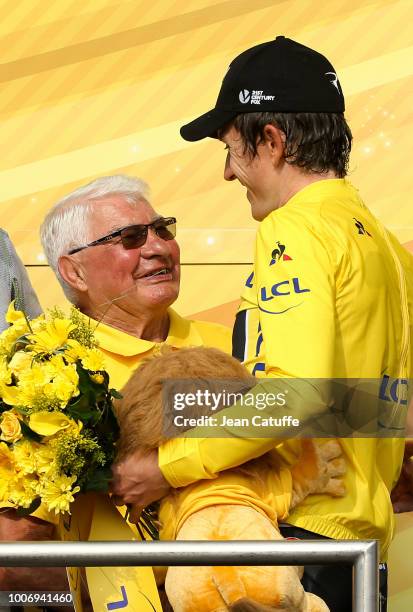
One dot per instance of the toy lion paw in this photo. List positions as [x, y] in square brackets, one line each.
[320, 469]
[236, 589]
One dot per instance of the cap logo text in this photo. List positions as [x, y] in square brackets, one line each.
[254, 97]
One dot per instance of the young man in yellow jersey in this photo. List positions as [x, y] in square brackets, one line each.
[330, 297]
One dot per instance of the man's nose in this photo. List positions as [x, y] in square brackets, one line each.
[228, 172]
[154, 245]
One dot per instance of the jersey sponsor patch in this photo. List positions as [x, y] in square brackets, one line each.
[282, 288]
[288, 287]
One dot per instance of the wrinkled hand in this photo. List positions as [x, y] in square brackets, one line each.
[402, 494]
[138, 480]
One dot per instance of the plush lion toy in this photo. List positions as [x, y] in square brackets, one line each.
[240, 504]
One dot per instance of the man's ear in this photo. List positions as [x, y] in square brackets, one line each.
[274, 139]
[72, 272]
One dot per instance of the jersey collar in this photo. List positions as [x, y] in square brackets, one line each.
[181, 333]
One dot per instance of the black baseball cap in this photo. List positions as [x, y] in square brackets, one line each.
[281, 75]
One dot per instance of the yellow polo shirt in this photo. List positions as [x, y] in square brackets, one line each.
[123, 354]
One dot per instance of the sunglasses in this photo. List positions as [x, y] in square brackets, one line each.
[134, 236]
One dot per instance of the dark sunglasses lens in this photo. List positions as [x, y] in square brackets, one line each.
[133, 237]
[166, 232]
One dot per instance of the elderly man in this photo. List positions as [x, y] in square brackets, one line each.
[118, 261]
[330, 296]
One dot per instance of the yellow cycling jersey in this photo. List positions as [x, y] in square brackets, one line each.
[330, 296]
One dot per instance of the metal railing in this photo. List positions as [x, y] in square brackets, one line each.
[363, 555]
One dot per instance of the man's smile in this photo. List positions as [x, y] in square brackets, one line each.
[157, 274]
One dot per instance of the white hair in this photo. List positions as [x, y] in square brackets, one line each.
[66, 226]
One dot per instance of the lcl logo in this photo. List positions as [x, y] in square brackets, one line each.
[286, 287]
[392, 389]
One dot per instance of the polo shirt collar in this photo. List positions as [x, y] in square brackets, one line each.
[181, 333]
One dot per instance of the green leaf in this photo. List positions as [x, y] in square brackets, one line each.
[81, 409]
[22, 340]
[85, 382]
[81, 401]
[99, 480]
[80, 413]
[22, 410]
[114, 393]
[33, 506]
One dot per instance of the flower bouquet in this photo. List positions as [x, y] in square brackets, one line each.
[57, 425]
[58, 437]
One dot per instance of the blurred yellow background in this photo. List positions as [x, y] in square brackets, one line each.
[96, 87]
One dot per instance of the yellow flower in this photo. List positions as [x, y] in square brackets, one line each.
[56, 363]
[74, 350]
[52, 337]
[20, 362]
[13, 315]
[10, 427]
[9, 336]
[37, 375]
[18, 327]
[6, 456]
[64, 385]
[7, 471]
[58, 494]
[5, 374]
[6, 481]
[25, 456]
[60, 391]
[97, 378]
[23, 491]
[49, 423]
[45, 458]
[69, 375]
[32, 383]
[93, 360]
[8, 393]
